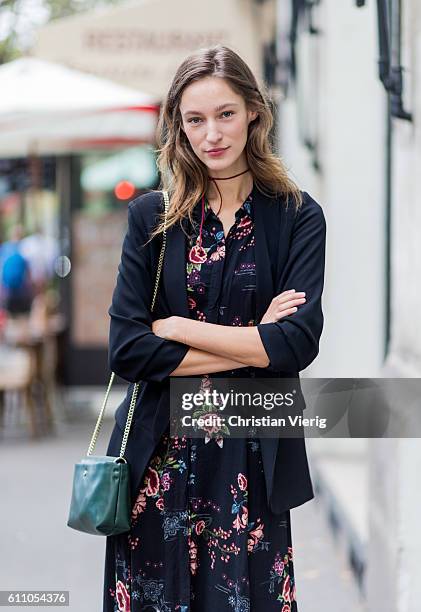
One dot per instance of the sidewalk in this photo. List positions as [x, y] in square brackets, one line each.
[40, 552]
[325, 582]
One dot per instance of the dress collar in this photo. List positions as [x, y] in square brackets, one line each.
[245, 208]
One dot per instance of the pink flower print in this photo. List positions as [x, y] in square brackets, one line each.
[192, 303]
[278, 566]
[286, 608]
[123, 597]
[199, 527]
[197, 254]
[255, 535]
[286, 591]
[293, 593]
[165, 481]
[193, 556]
[218, 254]
[244, 516]
[160, 503]
[244, 222]
[200, 315]
[152, 482]
[139, 504]
[212, 425]
[133, 542]
[237, 523]
[242, 481]
[290, 552]
[241, 523]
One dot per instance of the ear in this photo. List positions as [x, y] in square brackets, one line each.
[252, 115]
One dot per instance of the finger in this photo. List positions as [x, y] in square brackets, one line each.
[284, 297]
[284, 313]
[288, 291]
[291, 303]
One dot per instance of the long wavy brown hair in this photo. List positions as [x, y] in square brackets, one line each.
[183, 174]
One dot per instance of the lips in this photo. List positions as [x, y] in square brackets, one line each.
[216, 150]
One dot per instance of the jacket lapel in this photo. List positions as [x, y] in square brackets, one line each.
[174, 272]
[266, 218]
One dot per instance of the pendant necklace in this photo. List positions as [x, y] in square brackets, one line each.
[197, 253]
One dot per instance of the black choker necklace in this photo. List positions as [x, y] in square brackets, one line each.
[197, 252]
[225, 178]
[216, 178]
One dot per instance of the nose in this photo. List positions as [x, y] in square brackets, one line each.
[213, 133]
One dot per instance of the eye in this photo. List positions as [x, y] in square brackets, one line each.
[194, 122]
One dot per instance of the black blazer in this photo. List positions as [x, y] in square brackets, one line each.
[290, 254]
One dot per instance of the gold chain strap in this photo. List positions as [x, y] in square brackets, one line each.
[136, 385]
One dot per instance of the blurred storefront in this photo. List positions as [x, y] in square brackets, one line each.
[140, 43]
[72, 156]
[137, 45]
[101, 184]
[80, 202]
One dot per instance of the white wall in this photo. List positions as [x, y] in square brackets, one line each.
[345, 105]
[405, 354]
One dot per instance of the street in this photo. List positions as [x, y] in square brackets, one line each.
[39, 551]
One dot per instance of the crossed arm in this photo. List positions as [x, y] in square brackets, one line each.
[143, 349]
[216, 348]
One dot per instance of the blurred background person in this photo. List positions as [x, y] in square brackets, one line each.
[16, 285]
[40, 251]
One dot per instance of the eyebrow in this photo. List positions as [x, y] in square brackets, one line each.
[217, 108]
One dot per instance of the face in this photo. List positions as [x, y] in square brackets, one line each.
[215, 117]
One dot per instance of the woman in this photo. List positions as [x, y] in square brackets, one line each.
[210, 520]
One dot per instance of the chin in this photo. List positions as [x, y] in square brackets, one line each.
[221, 164]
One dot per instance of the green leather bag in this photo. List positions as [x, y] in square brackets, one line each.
[100, 502]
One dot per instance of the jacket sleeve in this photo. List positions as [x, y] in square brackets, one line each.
[292, 343]
[135, 353]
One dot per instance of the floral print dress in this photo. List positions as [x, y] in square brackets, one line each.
[203, 538]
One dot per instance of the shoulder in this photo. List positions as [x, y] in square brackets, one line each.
[310, 211]
[145, 209]
[147, 204]
[309, 204]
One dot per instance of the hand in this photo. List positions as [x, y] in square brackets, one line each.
[168, 328]
[283, 305]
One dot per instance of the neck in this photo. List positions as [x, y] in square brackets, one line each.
[229, 192]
